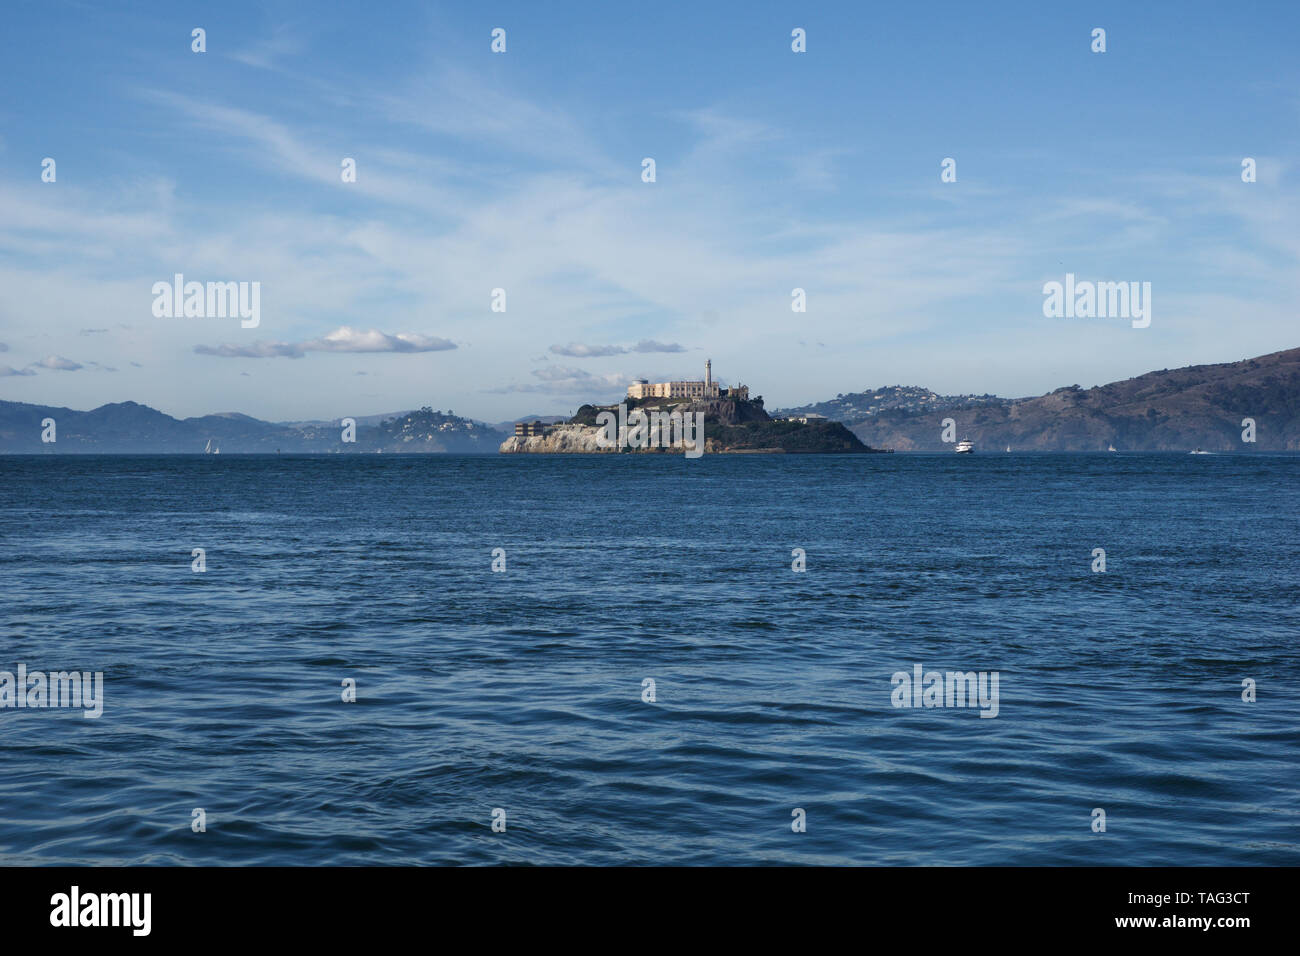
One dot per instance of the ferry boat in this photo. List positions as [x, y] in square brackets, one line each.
[964, 447]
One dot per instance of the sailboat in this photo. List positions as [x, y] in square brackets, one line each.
[1110, 448]
[207, 449]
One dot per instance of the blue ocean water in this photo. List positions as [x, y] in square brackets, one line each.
[522, 689]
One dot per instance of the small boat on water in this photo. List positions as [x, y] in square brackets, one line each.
[964, 447]
[1197, 451]
[1008, 448]
[1110, 448]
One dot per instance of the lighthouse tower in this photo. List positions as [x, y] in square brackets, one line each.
[708, 376]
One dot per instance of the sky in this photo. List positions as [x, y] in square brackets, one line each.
[522, 171]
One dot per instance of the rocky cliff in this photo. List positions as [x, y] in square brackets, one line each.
[560, 439]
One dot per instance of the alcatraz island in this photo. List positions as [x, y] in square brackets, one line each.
[684, 417]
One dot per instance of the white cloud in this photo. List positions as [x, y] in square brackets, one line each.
[573, 382]
[347, 339]
[649, 345]
[579, 350]
[342, 339]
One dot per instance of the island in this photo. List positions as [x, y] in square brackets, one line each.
[685, 417]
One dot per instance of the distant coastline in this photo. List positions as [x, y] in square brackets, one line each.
[1248, 406]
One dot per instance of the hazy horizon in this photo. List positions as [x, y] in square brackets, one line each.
[613, 399]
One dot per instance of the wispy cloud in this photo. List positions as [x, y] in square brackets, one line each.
[649, 345]
[579, 350]
[403, 179]
[343, 339]
[464, 105]
[286, 40]
[59, 363]
[572, 382]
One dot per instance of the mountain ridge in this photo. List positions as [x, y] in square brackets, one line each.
[1180, 409]
[1166, 410]
[132, 428]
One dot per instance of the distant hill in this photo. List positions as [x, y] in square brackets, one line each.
[131, 428]
[858, 406]
[360, 419]
[427, 430]
[1169, 410]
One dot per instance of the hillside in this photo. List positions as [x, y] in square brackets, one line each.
[1169, 410]
[856, 406]
[131, 428]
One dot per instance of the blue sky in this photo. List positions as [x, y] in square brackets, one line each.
[522, 171]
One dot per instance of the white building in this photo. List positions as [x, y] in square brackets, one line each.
[689, 390]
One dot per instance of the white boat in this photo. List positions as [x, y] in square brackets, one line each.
[965, 447]
[1197, 451]
[1110, 448]
[207, 449]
